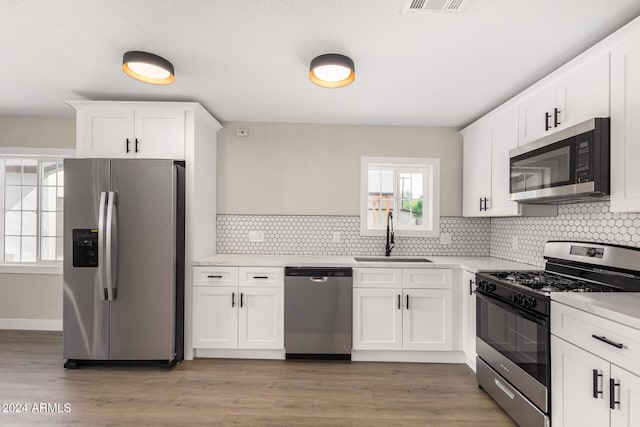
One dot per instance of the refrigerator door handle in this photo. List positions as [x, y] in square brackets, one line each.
[101, 248]
[110, 261]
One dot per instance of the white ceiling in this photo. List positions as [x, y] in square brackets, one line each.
[248, 60]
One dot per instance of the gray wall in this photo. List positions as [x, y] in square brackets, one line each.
[310, 169]
[33, 296]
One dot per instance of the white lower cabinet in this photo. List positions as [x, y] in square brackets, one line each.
[393, 318]
[587, 388]
[215, 317]
[247, 314]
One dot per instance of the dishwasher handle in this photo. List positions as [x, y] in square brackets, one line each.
[318, 279]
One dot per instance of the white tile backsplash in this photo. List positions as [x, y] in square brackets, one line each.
[516, 239]
[340, 235]
[579, 221]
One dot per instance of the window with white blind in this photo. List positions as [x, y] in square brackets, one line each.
[32, 200]
[405, 189]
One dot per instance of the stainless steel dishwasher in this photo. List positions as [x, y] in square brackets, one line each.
[317, 312]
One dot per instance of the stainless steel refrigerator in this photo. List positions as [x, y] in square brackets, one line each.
[123, 261]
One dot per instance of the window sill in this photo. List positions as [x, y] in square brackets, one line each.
[30, 269]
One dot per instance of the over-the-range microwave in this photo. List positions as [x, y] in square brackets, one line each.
[570, 165]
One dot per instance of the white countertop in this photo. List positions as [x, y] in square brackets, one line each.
[621, 307]
[472, 264]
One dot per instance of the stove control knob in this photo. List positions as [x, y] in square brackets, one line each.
[491, 287]
[530, 302]
[591, 252]
[517, 298]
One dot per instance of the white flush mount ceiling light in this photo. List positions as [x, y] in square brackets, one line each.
[332, 70]
[148, 68]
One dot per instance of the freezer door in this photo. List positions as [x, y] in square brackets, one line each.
[85, 313]
[144, 226]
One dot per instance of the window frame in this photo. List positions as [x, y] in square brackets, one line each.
[39, 266]
[430, 167]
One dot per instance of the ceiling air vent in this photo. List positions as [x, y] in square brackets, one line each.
[421, 6]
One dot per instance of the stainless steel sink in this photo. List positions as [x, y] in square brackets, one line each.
[389, 259]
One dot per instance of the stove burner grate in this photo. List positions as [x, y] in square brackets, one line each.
[549, 282]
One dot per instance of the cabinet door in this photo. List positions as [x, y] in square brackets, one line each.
[584, 93]
[532, 114]
[215, 317]
[469, 315]
[377, 319]
[625, 126]
[476, 170]
[105, 132]
[572, 386]
[261, 318]
[504, 137]
[159, 133]
[426, 319]
[627, 392]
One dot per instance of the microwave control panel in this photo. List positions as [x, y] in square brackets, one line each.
[583, 161]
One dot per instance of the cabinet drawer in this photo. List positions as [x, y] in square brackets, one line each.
[261, 276]
[429, 278]
[211, 276]
[377, 277]
[579, 327]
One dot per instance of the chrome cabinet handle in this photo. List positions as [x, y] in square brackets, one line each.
[101, 248]
[470, 287]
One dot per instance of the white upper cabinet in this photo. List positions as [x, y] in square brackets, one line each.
[476, 173]
[486, 174]
[119, 130]
[504, 137]
[625, 125]
[578, 94]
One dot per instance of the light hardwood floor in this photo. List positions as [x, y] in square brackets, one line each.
[237, 392]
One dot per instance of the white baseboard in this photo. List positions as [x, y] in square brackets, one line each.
[408, 356]
[31, 324]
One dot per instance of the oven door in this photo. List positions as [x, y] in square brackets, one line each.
[518, 336]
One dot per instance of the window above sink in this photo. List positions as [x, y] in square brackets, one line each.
[407, 187]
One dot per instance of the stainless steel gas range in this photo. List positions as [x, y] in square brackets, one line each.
[513, 320]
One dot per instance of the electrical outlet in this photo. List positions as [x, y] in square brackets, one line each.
[515, 243]
[446, 238]
[256, 236]
[335, 237]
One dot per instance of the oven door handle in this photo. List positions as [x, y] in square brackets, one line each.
[535, 319]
